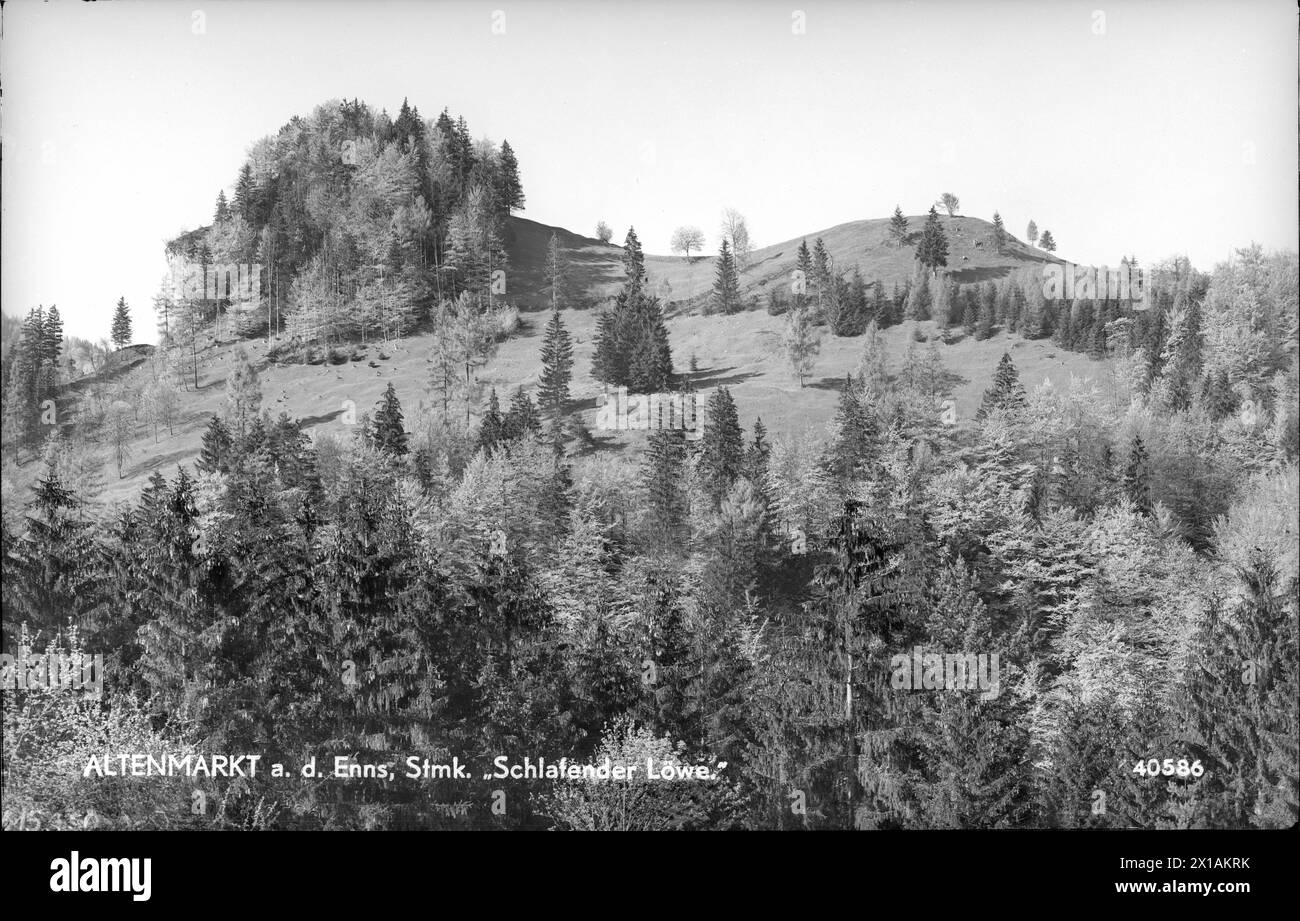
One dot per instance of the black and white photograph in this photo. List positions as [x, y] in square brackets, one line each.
[651, 416]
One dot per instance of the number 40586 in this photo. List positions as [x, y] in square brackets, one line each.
[1154, 767]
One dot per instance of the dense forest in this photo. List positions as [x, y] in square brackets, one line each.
[1114, 558]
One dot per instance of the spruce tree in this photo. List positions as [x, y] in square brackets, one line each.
[222, 212]
[633, 263]
[1240, 703]
[821, 266]
[999, 232]
[898, 227]
[1007, 392]
[1137, 476]
[722, 448]
[803, 262]
[510, 192]
[855, 431]
[388, 431]
[492, 430]
[522, 419]
[557, 371]
[121, 331]
[932, 251]
[217, 445]
[726, 282]
[662, 474]
[52, 336]
[609, 364]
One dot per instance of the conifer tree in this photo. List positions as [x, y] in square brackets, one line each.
[854, 443]
[522, 419]
[222, 212]
[510, 192]
[726, 282]
[388, 431]
[932, 251]
[492, 430]
[557, 371]
[633, 263]
[609, 364]
[1007, 392]
[217, 444]
[898, 227]
[121, 332]
[52, 338]
[722, 448]
[1048, 243]
[1137, 476]
[662, 473]
[803, 262]
[821, 266]
[999, 232]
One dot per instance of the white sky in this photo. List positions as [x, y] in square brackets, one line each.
[1173, 131]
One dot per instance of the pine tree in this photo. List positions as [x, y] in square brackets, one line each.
[932, 251]
[726, 282]
[852, 448]
[804, 265]
[511, 191]
[898, 227]
[821, 266]
[662, 473]
[978, 754]
[245, 192]
[609, 364]
[521, 419]
[121, 332]
[1240, 704]
[984, 320]
[1047, 242]
[757, 456]
[223, 209]
[1137, 476]
[557, 371]
[722, 448]
[388, 430]
[1007, 392]
[999, 232]
[215, 455]
[52, 336]
[492, 430]
[633, 263]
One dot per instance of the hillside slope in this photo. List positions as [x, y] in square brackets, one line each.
[598, 267]
[742, 351]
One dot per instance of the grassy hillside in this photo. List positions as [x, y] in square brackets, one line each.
[742, 351]
[598, 268]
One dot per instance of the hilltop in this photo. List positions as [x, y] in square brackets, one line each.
[598, 267]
